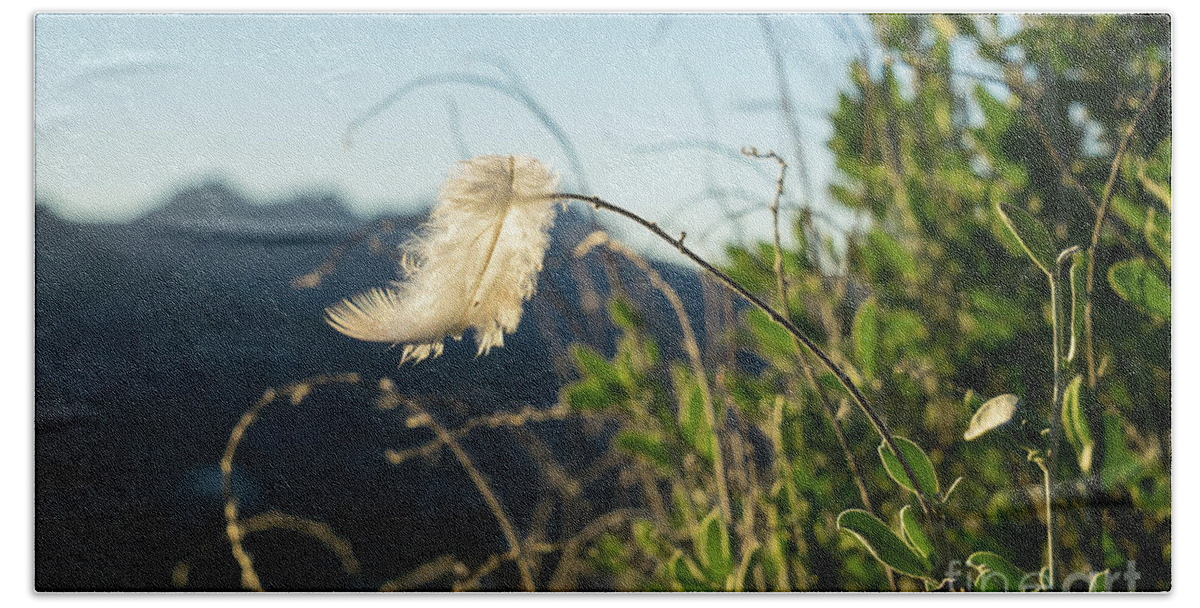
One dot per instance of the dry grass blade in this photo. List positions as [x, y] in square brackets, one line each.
[234, 529]
[563, 579]
[274, 520]
[527, 415]
[506, 527]
[690, 346]
[369, 232]
[426, 573]
[781, 287]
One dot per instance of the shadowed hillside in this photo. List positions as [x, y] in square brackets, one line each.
[153, 336]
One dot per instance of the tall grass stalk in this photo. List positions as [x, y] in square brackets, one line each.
[781, 292]
[690, 346]
[236, 529]
[516, 552]
[1050, 458]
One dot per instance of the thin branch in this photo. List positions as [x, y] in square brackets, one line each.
[561, 581]
[429, 571]
[513, 89]
[525, 416]
[781, 288]
[322, 532]
[489, 565]
[1105, 197]
[1068, 177]
[842, 377]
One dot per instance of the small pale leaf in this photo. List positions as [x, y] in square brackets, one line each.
[995, 412]
[1076, 426]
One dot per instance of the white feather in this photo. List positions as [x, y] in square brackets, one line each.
[473, 264]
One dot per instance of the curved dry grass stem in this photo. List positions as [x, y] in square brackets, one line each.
[235, 529]
[690, 346]
[489, 565]
[275, 520]
[785, 103]
[554, 475]
[567, 564]
[506, 527]
[498, 420]
[841, 375]
[514, 89]
[370, 231]
[426, 573]
[781, 289]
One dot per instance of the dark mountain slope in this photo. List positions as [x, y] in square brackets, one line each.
[153, 336]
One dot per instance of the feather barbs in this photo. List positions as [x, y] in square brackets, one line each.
[473, 264]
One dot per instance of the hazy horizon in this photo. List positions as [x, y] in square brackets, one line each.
[131, 107]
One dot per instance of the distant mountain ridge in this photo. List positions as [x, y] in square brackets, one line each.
[215, 207]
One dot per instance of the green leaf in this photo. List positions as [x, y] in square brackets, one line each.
[901, 332]
[995, 572]
[587, 395]
[648, 445]
[608, 554]
[1032, 235]
[995, 412]
[687, 574]
[771, 338]
[913, 535]
[1076, 426]
[1158, 235]
[883, 544]
[773, 558]
[751, 558]
[1133, 214]
[1137, 283]
[1099, 583]
[693, 423]
[865, 333]
[1159, 190]
[647, 537]
[922, 467]
[1120, 463]
[1154, 173]
[623, 314]
[884, 254]
[711, 543]
[591, 363]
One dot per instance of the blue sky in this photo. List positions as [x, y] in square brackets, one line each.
[129, 108]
